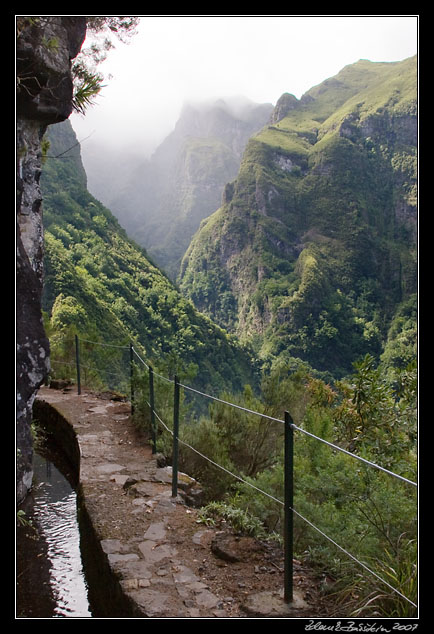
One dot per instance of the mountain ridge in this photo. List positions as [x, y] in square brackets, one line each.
[162, 200]
[322, 214]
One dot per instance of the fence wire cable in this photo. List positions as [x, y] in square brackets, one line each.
[140, 358]
[353, 455]
[372, 464]
[244, 409]
[106, 345]
[363, 565]
[153, 371]
[215, 463]
[277, 420]
[162, 422]
[354, 558]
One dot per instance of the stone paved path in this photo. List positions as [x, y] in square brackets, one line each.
[154, 556]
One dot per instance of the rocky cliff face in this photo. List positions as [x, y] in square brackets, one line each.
[163, 200]
[45, 48]
[314, 246]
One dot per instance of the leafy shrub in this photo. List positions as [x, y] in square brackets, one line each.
[239, 520]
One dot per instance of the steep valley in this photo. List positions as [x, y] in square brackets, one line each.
[100, 285]
[265, 256]
[310, 257]
[162, 200]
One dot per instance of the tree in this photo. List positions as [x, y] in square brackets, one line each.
[101, 30]
[87, 80]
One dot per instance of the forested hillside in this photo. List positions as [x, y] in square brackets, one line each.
[312, 255]
[101, 285]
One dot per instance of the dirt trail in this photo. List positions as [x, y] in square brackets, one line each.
[164, 562]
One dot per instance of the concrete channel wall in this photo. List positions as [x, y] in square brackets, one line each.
[106, 596]
[141, 547]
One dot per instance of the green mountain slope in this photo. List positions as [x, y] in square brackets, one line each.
[163, 200]
[314, 248]
[101, 285]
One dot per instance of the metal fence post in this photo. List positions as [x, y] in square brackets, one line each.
[77, 363]
[288, 531]
[152, 408]
[132, 377]
[175, 439]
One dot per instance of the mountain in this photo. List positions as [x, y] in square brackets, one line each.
[161, 201]
[313, 252]
[101, 285]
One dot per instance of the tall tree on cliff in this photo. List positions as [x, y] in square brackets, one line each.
[50, 85]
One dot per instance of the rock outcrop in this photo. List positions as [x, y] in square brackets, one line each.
[45, 48]
[284, 105]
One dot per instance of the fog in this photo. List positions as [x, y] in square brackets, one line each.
[174, 60]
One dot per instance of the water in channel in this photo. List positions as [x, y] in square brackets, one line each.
[50, 577]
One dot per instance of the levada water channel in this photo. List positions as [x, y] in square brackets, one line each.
[50, 576]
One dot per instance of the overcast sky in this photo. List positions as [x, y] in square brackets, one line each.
[175, 59]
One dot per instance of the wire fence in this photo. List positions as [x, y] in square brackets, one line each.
[98, 365]
[279, 420]
[114, 369]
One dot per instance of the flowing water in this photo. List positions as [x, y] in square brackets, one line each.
[50, 578]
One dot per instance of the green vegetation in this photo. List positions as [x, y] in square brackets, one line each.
[240, 521]
[315, 251]
[369, 513]
[311, 260]
[102, 286]
[100, 30]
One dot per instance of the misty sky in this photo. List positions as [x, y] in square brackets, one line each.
[175, 59]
